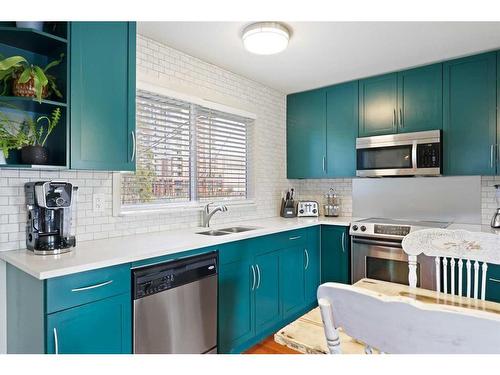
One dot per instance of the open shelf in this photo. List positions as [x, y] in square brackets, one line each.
[35, 166]
[32, 40]
[31, 104]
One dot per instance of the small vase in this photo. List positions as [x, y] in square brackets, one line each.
[37, 25]
[34, 155]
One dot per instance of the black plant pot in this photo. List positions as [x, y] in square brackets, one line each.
[34, 155]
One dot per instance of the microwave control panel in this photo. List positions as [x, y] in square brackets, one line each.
[429, 155]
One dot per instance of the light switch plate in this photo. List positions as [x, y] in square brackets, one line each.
[98, 202]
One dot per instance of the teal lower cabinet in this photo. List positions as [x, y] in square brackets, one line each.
[102, 327]
[264, 284]
[335, 254]
[83, 313]
[493, 283]
[313, 263]
[267, 290]
[292, 274]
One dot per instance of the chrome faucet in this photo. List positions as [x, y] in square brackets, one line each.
[207, 214]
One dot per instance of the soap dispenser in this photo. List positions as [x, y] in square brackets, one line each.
[495, 220]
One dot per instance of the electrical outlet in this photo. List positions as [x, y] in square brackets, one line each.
[98, 202]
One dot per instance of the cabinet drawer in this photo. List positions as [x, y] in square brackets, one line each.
[80, 288]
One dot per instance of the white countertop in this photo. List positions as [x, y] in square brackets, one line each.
[89, 255]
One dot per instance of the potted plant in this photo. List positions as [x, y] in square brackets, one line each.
[34, 134]
[10, 138]
[28, 79]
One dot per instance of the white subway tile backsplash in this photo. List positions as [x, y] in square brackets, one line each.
[159, 61]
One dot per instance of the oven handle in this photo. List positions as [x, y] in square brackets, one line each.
[377, 242]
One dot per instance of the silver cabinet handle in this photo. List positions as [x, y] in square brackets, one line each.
[253, 273]
[307, 259]
[56, 341]
[492, 147]
[394, 117]
[92, 286]
[133, 146]
[401, 118]
[295, 238]
[343, 242]
[324, 163]
[258, 276]
[494, 280]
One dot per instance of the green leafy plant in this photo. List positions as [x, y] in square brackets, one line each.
[15, 134]
[36, 131]
[17, 67]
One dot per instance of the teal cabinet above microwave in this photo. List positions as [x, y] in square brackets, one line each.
[401, 102]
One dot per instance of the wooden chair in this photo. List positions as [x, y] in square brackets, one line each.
[403, 325]
[464, 252]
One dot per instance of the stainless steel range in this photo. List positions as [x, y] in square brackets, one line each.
[376, 251]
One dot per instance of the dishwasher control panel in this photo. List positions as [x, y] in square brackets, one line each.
[161, 277]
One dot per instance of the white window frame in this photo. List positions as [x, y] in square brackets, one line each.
[192, 205]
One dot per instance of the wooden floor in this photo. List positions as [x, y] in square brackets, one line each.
[268, 346]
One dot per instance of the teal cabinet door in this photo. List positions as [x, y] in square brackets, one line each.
[312, 268]
[341, 129]
[493, 283]
[236, 281]
[377, 105]
[469, 128]
[335, 254]
[306, 134]
[292, 273]
[267, 297]
[420, 99]
[103, 95]
[102, 327]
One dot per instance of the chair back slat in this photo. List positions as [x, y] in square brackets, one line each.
[476, 278]
[483, 281]
[438, 274]
[452, 274]
[468, 265]
[445, 274]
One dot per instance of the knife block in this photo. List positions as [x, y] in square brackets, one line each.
[287, 208]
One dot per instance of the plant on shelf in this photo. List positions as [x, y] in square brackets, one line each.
[30, 136]
[28, 79]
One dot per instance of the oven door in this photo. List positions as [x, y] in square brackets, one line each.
[385, 260]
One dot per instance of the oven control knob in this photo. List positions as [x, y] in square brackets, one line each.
[363, 228]
[354, 227]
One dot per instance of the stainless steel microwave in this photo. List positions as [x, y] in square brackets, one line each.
[408, 154]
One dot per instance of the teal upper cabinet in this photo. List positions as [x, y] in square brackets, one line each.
[420, 99]
[335, 254]
[306, 134]
[469, 128]
[377, 105]
[103, 95]
[102, 327]
[341, 129]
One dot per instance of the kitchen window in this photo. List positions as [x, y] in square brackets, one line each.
[187, 154]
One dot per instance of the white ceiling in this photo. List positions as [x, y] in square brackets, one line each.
[324, 53]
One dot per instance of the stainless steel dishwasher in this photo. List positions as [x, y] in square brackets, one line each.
[175, 306]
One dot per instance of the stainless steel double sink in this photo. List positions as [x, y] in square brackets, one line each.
[224, 231]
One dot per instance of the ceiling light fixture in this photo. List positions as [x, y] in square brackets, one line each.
[265, 38]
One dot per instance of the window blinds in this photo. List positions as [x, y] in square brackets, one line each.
[186, 152]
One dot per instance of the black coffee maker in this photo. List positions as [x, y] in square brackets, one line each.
[50, 204]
